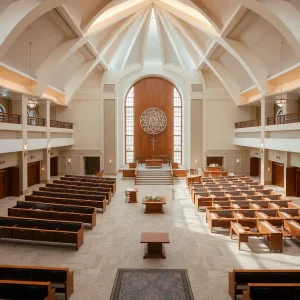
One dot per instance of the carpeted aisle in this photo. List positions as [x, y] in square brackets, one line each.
[152, 284]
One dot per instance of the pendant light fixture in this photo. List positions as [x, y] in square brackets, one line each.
[281, 101]
[31, 102]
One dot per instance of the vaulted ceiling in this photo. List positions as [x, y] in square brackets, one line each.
[239, 41]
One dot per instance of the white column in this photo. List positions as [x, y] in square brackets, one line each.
[45, 113]
[23, 176]
[204, 133]
[262, 139]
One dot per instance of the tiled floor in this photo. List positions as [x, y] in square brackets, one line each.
[114, 243]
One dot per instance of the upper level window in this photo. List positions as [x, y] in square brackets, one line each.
[32, 117]
[129, 127]
[2, 109]
[177, 127]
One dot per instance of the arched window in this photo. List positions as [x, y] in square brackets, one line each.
[177, 127]
[129, 127]
[32, 117]
[2, 109]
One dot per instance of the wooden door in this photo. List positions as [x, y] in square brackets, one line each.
[277, 174]
[297, 183]
[92, 165]
[33, 176]
[290, 181]
[4, 183]
[15, 182]
[254, 166]
[53, 166]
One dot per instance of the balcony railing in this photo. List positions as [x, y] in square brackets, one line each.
[284, 119]
[10, 118]
[36, 121]
[251, 123]
[59, 124]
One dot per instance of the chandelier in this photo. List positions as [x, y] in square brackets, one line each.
[31, 102]
[281, 101]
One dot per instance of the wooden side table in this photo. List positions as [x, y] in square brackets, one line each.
[131, 195]
[154, 241]
[154, 207]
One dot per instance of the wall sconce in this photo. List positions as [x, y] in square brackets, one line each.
[69, 160]
[110, 161]
[237, 160]
[25, 150]
[261, 148]
[196, 161]
[269, 169]
[49, 148]
[43, 169]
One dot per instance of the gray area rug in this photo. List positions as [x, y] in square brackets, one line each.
[152, 284]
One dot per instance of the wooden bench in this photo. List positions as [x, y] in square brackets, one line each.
[70, 196]
[276, 291]
[89, 182]
[239, 279]
[19, 290]
[36, 210]
[101, 204]
[78, 190]
[60, 278]
[41, 230]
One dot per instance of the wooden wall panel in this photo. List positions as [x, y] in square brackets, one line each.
[158, 93]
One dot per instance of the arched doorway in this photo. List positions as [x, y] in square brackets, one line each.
[161, 98]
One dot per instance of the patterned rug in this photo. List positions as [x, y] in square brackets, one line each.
[152, 284]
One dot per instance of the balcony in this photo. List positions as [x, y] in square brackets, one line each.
[10, 118]
[245, 124]
[59, 124]
[284, 119]
[33, 121]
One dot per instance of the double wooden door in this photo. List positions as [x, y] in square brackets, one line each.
[33, 173]
[9, 182]
[53, 166]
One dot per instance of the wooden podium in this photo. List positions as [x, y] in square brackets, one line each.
[131, 195]
[154, 241]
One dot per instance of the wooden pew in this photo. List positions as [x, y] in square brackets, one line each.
[88, 182]
[77, 190]
[293, 228]
[70, 195]
[38, 210]
[19, 290]
[41, 230]
[60, 278]
[101, 204]
[239, 279]
[276, 291]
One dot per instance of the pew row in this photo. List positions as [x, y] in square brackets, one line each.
[60, 278]
[23, 290]
[100, 204]
[41, 230]
[38, 210]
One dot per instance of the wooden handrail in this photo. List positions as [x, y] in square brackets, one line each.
[10, 118]
[33, 121]
[60, 124]
[284, 119]
[250, 123]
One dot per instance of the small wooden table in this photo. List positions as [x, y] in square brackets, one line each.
[131, 194]
[154, 247]
[154, 163]
[154, 207]
[192, 178]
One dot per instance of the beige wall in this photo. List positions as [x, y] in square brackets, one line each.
[295, 160]
[277, 156]
[255, 152]
[85, 114]
[197, 134]
[221, 116]
[110, 162]
[8, 160]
